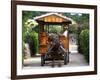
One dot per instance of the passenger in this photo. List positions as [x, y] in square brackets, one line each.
[65, 33]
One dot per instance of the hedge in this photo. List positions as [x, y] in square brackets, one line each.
[84, 43]
[32, 39]
[33, 43]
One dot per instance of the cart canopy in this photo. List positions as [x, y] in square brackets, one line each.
[53, 17]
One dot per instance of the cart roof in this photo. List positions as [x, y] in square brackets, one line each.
[53, 17]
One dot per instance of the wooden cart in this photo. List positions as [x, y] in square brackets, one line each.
[52, 19]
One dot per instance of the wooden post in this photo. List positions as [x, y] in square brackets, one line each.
[41, 26]
[48, 28]
[68, 41]
[41, 29]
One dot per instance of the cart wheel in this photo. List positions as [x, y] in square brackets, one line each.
[42, 60]
[53, 63]
[68, 57]
[65, 59]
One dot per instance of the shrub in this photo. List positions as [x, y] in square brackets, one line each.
[33, 42]
[84, 43]
[31, 38]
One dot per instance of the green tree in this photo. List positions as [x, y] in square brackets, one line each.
[29, 34]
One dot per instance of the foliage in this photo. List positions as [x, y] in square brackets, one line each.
[81, 19]
[33, 37]
[29, 34]
[84, 43]
[55, 29]
[73, 28]
[25, 16]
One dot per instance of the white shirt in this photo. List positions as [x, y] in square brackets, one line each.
[65, 33]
